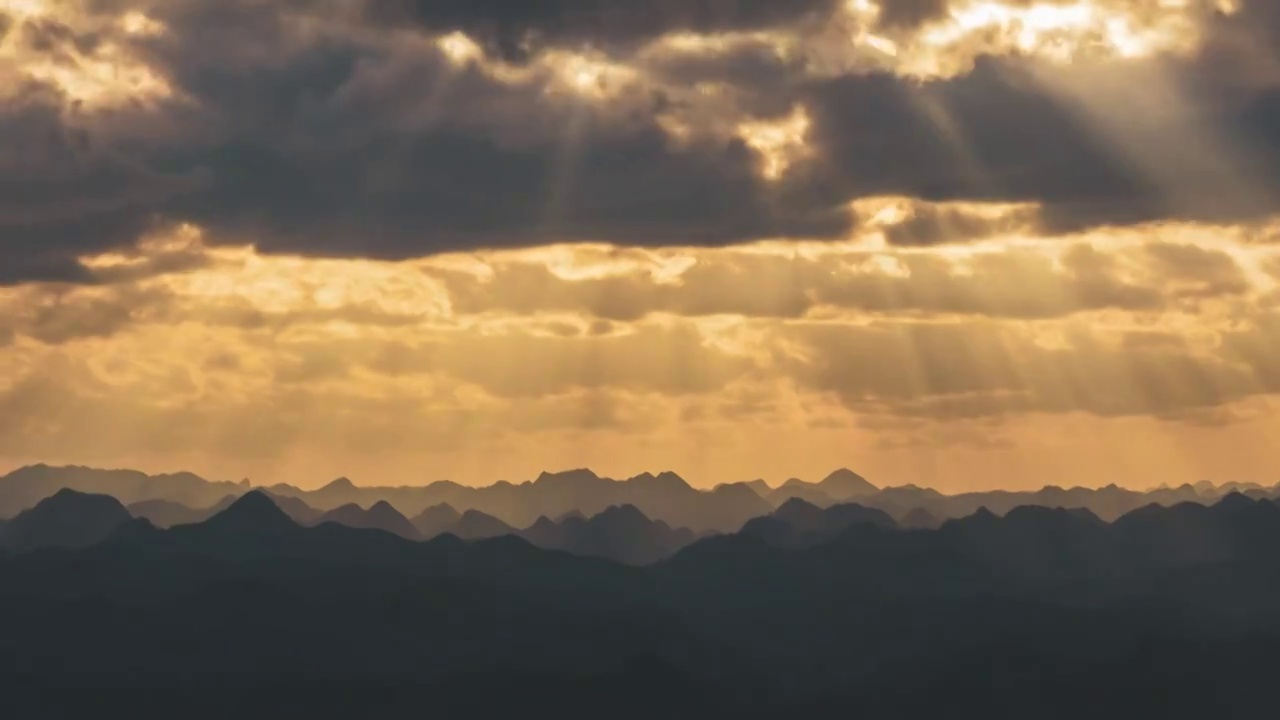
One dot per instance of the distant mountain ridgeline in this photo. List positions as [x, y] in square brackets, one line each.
[24, 487]
[666, 497]
[70, 519]
[1029, 540]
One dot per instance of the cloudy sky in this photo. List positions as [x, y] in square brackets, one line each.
[958, 243]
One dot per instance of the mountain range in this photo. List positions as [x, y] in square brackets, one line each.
[665, 497]
[806, 609]
[621, 533]
[67, 519]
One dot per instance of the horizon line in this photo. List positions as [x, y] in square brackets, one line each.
[709, 488]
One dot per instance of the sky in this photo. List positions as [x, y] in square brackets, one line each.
[966, 244]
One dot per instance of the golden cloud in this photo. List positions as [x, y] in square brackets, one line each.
[977, 331]
[186, 351]
[76, 52]
[947, 38]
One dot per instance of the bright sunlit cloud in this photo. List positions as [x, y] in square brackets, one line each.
[780, 143]
[745, 340]
[1057, 31]
[100, 74]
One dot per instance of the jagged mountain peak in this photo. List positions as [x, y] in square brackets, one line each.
[665, 479]
[575, 475]
[846, 483]
[622, 514]
[253, 511]
[342, 483]
[65, 519]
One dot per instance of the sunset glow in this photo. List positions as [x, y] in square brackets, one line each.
[963, 244]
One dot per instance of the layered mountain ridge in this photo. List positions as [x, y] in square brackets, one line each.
[840, 606]
[665, 497]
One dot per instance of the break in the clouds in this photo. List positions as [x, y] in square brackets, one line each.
[476, 238]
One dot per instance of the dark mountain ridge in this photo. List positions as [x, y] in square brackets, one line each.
[435, 520]
[665, 497]
[798, 523]
[382, 516]
[66, 519]
[167, 513]
[24, 487]
[844, 621]
[620, 533]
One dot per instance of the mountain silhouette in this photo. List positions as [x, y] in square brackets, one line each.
[385, 517]
[475, 525]
[920, 519]
[1036, 606]
[436, 520]
[549, 534]
[795, 489]
[665, 496]
[840, 486]
[254, 515]
[381, 517]
[24, 487]
[845, 484]
[333, 495]
[620, 533]
[1190, 533]
[298, 510]
[66, 519]
[832, 520]
[167, 513]
[798, 523]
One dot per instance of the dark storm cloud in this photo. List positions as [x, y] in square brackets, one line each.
[311, 143]
[979, 136]
[513, 25]
[454, 190]
[899, 14]
[62, 193]
[333, 138]
[996, 134]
